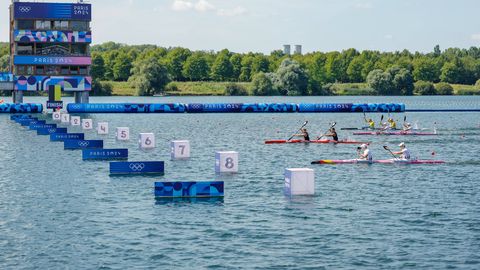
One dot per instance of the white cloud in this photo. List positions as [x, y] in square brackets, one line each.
[204, 5]
[388, 36]
[181, 5]
[475, 37]
[232, 12]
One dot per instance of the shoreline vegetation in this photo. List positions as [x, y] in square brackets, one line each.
[219, 89]
[147, 70]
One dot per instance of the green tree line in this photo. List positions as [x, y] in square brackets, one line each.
[149, 68]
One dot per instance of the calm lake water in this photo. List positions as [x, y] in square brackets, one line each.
[59, 212]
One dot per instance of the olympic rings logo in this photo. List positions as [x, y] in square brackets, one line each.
[52, 130]
[24, 9]
[136, 167]
[75, 106]
[83, 143]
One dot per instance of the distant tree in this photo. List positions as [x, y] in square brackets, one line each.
[101, 88]
[149, 77]
[354, 70]
[293, 79]
[4, 63]
[262, 85]
[122, 67]
[236, 61]
[246, 72]
[97, 70]
[260, 64]
[175, 60]
[477, 84]
[452, 72]
[402, 81]
[317, 69]
[222, 69]
[235, 89]
[436, 51]
[380, 81]
[425, 69]
[334, 67]
[196, 68]
[425, 88]
[444, 89]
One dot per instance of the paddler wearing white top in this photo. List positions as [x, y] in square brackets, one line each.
[404, 152]
[367, 154]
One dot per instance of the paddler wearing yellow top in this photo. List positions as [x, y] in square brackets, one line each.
[393, 124]
[371, 124]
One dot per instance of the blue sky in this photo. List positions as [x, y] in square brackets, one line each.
[265, 25]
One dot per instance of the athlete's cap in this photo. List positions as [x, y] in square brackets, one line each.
[363, 146]
[401, 144]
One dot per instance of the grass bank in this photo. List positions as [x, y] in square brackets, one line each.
[218, 89]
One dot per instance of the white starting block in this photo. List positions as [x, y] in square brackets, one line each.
[146, 140]
[180, 150]
[75, 121]
[65, 118]
[57, 116]
[226, 162]
[122, 133]
[102, 128]
[87, 124]
[299, 181]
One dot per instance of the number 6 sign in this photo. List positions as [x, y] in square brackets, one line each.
[146, 140]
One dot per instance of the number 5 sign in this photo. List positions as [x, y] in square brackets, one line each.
[226, 161]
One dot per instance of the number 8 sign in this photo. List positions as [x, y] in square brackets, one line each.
[226, 161]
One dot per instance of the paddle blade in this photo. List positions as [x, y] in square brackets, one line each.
[404, 118]
[386, 147]
[381, 118]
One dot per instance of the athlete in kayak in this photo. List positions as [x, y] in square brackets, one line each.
[371, 124]
[392, 123]
[304, 134]
[404, 152]
[367, 154]
[407, 126]
[332, 133]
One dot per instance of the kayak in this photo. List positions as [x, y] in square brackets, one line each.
[397, 133]
[368, 128]
[315, 141]
[381, 161]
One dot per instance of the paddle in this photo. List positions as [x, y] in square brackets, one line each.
[304, 124]
[388, 149]
[332, 125]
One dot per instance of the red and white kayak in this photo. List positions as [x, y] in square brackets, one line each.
[381, 161]
[396, 133]
[315, 141]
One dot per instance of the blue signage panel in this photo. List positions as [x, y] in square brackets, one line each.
[125, 108]
[38, 122]
[51, 60]
[39, 126]
[82, 144]
[189, 189]
[104, 154]
[25, 121]
[241, 107]
[136, 167]
[19, 116]
[60, 137]
[48, 131]
[351, 107]
[21, 108]
[64, 11]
